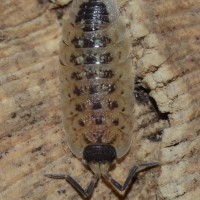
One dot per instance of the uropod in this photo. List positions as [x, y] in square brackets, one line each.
[97, 86]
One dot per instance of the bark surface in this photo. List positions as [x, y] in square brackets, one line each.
[165, 35]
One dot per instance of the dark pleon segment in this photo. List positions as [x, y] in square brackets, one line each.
[91, 27]
[92, 17]
[99, 153]
[92, 14]
[93, 9]
[82, 42]
[94, 6]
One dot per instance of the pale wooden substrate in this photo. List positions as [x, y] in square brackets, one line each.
[165, 37]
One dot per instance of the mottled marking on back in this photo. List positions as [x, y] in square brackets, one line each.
[96, 78]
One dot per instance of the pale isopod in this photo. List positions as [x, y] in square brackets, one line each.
[97, 86]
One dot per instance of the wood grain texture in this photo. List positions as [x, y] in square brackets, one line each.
[165, 36]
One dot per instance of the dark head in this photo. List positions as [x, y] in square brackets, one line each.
[99, 157]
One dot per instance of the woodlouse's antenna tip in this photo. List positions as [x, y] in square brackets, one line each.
[152, 164]
[156, 163]
[47, 175]
[56, 176]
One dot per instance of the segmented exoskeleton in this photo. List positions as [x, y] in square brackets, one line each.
[97, 85]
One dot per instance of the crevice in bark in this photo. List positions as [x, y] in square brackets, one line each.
[177, 143]
[162, 116]
[142, 96]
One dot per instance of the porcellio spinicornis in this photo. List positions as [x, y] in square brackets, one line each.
[97, 86]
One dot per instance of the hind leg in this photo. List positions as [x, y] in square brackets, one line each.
[132, 173]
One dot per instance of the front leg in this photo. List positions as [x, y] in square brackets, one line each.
[85, 192]
[131, 174]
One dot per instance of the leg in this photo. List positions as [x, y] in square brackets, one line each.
[85, 193]
[131, 174]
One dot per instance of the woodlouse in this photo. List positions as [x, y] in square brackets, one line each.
[97, 86]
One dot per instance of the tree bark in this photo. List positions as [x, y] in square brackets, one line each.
[165, 35]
